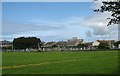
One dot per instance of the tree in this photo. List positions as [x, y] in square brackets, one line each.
[114, 8]
[81, 46]
[26, 42]
[103, 46]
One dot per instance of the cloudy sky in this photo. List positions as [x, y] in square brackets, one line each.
[55, 21]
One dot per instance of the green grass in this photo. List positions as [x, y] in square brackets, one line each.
[86, 62]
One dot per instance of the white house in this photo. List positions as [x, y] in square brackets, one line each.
[96, 43]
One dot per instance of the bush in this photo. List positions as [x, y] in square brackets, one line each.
[103, 46]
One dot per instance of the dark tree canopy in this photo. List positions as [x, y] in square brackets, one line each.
[103, 46]
[81, 45]
[26, 42]
[114, 8]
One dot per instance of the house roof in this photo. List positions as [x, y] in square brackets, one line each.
[88, 43]
[48, 44]
[106, 41]
[61, 43]
[5, 42]
[73, 42]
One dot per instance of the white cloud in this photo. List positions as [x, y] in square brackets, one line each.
[98, 23]
[93, 27]
[62, 29]
[12, 27]
[96, 5]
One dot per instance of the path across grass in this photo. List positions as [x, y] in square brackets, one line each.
[86, 62]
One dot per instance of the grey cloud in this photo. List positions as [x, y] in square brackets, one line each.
[101, 31]
[89, 34]
[14, 27]
[52, 38]
[98, 23]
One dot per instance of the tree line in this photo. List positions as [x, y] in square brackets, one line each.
[26, 42]
[35, 43]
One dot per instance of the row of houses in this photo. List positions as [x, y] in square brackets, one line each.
[62, 45]
[5, 44]
[77, 44]
[71, 44]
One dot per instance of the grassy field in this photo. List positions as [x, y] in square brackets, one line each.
[86, 62]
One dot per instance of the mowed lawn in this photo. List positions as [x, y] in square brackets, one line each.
[84, 62]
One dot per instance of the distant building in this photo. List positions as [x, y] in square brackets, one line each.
[74, 42]
[88, 45]
[68, 45]
[71, 44]
[5, 43]
[48, 46]
[96, 43]
[61, 45]
[117, 44]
